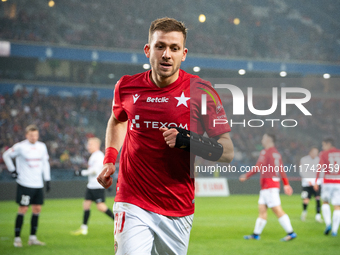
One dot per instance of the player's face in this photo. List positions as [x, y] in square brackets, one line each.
[264, 140]
[314, 152]
[92, 146]
[166, 52]
[326, 146]
[32, 136]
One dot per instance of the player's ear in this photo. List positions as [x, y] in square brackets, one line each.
[147, 50]
[185, 52]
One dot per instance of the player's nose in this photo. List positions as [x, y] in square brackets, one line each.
[166, 53]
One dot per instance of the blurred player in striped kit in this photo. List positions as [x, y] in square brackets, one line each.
[94, 192]
[31, 158]
[308, 166]
[330, 191]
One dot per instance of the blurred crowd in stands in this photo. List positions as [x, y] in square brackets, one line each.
[258, 29]
[65, 123]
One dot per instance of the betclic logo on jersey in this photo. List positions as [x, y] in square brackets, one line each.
[261, 106]
[157, 100]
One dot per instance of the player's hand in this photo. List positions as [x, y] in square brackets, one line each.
[169, 136]
[316, 187]
[14, 174]
[48, 186]
[242, 178]
[288, 190]
[104, 178]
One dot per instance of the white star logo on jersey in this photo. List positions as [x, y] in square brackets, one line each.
[182, 100]
[135, 98]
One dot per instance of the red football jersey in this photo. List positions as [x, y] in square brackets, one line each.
[270, 167]
[152, 175]
[329, 166]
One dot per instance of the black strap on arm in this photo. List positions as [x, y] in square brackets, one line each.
[207, 148]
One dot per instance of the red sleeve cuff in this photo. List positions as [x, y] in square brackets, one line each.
[110, 155]
[285, 181]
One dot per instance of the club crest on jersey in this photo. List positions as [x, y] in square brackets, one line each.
[135, 98]
[182, 100]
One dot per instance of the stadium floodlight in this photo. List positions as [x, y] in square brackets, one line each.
[202, 18]
[283, 73]
[241, 72]
[326, 76]
[51, 3]
[146, 66]
[196, 69]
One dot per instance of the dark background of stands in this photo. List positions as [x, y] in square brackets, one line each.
[272, 36]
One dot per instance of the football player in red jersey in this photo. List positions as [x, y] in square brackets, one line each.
[330, 192]
[157, 121]
[270, 165]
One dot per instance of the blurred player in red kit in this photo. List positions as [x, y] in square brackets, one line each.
[270, 166]
[157, 121]
[330, 191]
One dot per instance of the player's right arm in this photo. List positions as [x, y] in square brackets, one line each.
[255, 169]
[322, 161]
[8, 155]
[115, 135]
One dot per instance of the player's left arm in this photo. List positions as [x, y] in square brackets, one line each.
[288, 190]
[46, 169]
[322, 161]
[228, 148]
[215, 149]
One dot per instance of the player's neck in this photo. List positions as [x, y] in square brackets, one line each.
[161, 81]
[269, 145]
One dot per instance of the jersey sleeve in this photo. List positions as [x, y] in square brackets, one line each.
[214, 121]
[117, 106]
[9, 155]
[284, 177]
[262, 160]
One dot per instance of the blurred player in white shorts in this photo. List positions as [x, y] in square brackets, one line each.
[150, 121]
[270, 188]
[308, 166]
[330, 191]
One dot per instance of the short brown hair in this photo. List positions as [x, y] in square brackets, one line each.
[31, 128]
[272, 136]
[167, 25]
[329, 139]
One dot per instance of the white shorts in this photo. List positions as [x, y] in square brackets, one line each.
[270, 197]
[330, 193]
[137, 231]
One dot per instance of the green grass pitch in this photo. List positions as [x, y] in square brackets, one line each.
[219, 226]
